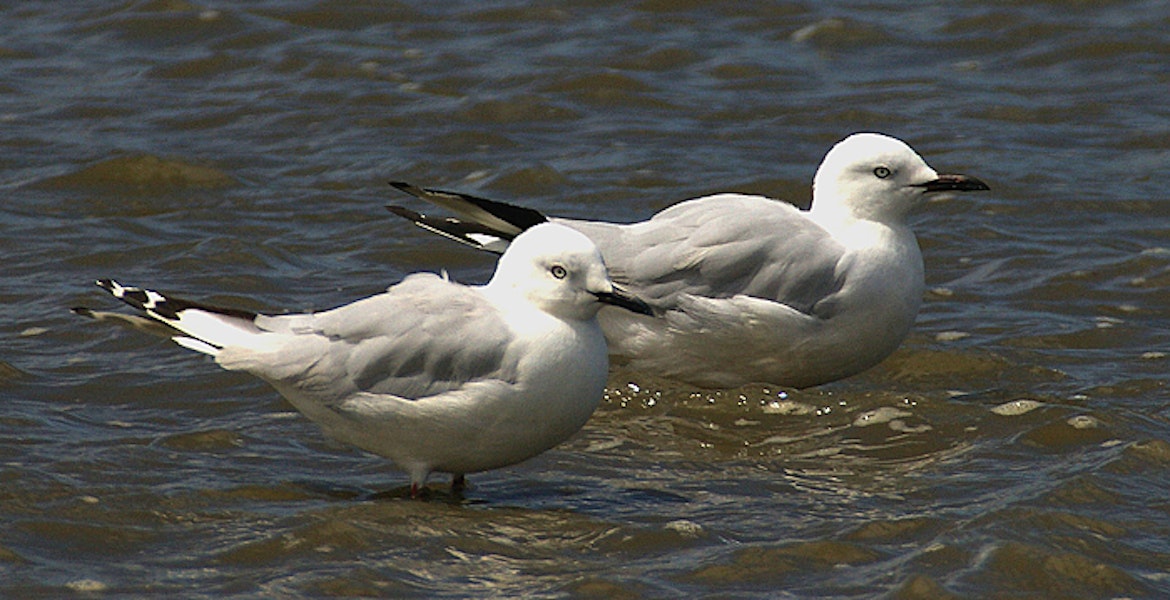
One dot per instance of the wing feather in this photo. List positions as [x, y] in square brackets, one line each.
[722, 246]
[422, 337]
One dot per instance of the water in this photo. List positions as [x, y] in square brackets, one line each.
[1018, 445]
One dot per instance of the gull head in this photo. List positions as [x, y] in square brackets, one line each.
[878, 178]
[560, 271]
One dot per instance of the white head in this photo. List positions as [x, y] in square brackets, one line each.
[879, 178]
[560, 271]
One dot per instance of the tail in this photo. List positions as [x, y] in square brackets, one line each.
[490, 225]
[199, 327]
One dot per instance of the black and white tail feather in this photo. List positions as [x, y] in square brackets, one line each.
[200, 327]
[490, 225]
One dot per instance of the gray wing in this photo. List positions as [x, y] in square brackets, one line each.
[422, 337]
[721, 246]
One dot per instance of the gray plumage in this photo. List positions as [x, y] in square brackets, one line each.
[750, 289]
[432, 374]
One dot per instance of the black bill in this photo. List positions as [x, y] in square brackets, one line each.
[625, 300]
[954, 183]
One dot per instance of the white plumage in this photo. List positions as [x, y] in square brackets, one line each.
[751, 289]
[434, 375]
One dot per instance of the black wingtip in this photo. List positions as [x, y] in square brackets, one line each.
[510, 217]
[403, 186]
[519, 216]
[470, 234]
[405, 213]
[163, 305]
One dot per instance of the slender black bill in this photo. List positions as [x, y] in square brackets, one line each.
[625, 300]
[954, 183]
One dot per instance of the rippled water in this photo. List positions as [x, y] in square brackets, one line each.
[1018, 445]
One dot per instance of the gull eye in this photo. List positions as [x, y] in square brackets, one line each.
[558, 271]
[881, 172]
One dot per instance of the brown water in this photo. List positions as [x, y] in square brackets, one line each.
[1018, 445]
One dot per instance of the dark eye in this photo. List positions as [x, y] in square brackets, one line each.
[881, 172]
[558, 271]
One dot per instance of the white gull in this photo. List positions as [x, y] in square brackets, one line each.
[434, 375]
[751, 289]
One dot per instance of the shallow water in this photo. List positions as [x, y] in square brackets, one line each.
[1018, 445]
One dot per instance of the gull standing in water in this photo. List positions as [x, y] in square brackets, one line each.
[434, 375]
[751, 289]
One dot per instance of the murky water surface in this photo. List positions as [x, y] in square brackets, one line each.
[1018, 445]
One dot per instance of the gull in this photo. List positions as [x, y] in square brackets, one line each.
[748, 289]
[434, 375]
